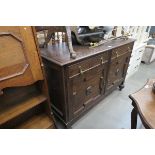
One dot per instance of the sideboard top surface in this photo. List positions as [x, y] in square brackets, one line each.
[59, 53]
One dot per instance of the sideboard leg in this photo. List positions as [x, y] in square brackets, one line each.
[134, 118]
[68, 126]
[121, 86]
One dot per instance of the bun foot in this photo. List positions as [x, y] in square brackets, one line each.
[121, 87]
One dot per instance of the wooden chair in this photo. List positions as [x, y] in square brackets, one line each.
[143, 102]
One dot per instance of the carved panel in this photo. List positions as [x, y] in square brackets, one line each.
[13, 61]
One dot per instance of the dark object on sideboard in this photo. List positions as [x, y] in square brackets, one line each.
[76, 85]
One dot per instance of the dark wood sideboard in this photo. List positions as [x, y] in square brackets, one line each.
[76, 85]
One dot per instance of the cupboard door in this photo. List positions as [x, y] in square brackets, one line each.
[19, 60]
[118, 69]
[13, 60]
[86, 88]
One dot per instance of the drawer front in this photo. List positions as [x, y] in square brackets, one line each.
[87, 65]
[84, 89]
[122, 50]
[118, 69]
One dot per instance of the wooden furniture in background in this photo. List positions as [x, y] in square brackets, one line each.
[135, 61]
[76, 85]
[143, 102]
[141, 34]
[149, 54]
[24, 101]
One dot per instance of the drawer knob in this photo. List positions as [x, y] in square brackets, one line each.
[117, 71]
[74, 93]
[81, 71]
[89, 90]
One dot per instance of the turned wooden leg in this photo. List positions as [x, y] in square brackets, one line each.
[134, 118]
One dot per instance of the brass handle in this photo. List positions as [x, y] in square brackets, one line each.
[101, 83]
[81, 71]
[117, 55]
[102, 60]
[117, 71]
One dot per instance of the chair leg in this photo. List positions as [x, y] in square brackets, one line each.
[134, 118]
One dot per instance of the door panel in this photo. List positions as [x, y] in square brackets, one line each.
[19, 60]
[117, 71]
[84, 89]
[13, 61]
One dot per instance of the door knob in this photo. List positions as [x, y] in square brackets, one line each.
[89, 90]
[74, 93]
[117, 71]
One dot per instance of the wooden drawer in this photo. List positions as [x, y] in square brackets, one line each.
[118, 68]
[84, 89]
[86, 65]
[122, 50]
